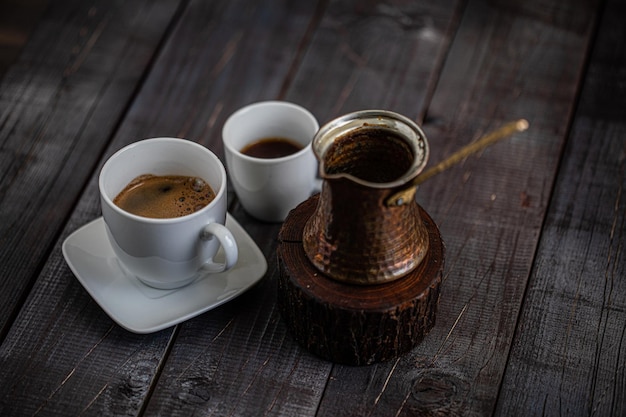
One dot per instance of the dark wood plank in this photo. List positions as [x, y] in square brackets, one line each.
[64, 356]
[236, 359]
[216, 60]
[569, 353]
[376, 55]
[17, 20]
[505, 62]
[239, 359]
[60, 103]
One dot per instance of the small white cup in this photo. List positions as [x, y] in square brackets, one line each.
[167, 253]
[269, 188]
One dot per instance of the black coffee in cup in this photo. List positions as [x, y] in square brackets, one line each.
[164, 196]
[274, 147]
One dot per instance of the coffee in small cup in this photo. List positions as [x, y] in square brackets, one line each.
[164, 196]
[272, 147]
[170, 252]
[270, 184]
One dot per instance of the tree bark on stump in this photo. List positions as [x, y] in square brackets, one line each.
[350, 324]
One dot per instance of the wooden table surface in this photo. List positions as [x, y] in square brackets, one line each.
[532, 314]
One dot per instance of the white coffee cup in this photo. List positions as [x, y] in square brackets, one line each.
[269, 188]
[172, 252]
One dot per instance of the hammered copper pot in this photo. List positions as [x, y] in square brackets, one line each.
[354, 236]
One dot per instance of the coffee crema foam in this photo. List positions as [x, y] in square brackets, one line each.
[164, 196]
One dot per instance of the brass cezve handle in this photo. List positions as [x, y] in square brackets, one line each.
[407, 194]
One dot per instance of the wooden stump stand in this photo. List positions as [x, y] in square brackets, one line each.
[349, 324]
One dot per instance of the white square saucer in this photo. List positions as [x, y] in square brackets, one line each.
[143, 309]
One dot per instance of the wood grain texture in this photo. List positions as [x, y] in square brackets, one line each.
[92, 79]
[355, 324]
[489, 209]
[235, 360]
[17, 20]
[570, 348]
[257, 368]
[61, 101]
[188, 91]
[375, 55]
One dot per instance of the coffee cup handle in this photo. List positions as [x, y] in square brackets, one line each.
[226, 239]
